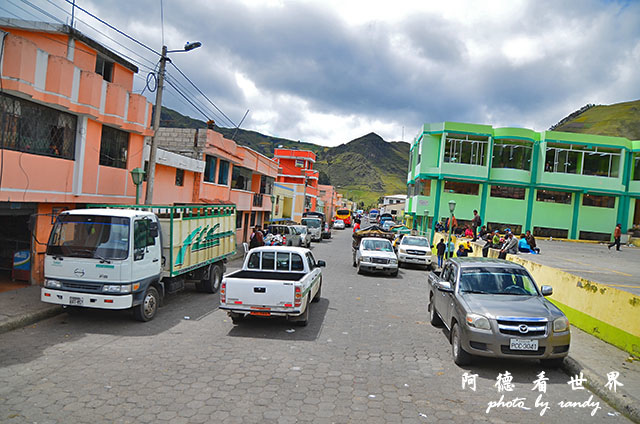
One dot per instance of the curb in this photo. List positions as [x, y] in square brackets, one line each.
[620, 401]
[30, 318]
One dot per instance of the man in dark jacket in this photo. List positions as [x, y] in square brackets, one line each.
[440, 248]
[257, 238]
[476, 222]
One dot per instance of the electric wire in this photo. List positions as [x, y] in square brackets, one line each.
[21, 8]
[44, 12]
[188, 100]
[195, 98]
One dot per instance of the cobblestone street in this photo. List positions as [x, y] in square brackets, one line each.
[368, 355]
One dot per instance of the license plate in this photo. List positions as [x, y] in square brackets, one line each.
[378, 267]
[262, 314]
[523, 344]
[75, 300]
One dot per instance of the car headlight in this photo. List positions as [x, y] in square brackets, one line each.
[52, 284]
[478, 321]
[120, 288]
[393, 261]
[401, 250]
[366, 259]
[560, 324]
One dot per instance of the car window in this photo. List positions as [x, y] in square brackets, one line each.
[311, 261]
[453, 272]
[254, 261]
[296, 262]
[415, 241]
[282, 263]
[268, 260]
[497, 281]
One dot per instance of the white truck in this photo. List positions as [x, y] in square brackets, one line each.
[273, 281]
[132, 256]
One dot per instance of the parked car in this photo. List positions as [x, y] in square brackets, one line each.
[290, 236]
[326, 228]
[315, 227]
[414, 250]
[492, 307]
[375, 254]
[338, 224]
[387, 224]
[273, 281]
[384, 217]
[305, 236]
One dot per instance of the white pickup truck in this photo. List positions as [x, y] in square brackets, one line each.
[273, 281]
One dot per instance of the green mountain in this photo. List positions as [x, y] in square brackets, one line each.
[618, 120]
[363, 169]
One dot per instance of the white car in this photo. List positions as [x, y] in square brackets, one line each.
[314, 227]
[414, 250]
[305, 236]
[376, 255]
[338, 224]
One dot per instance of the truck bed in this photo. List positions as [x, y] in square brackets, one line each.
[267, 275]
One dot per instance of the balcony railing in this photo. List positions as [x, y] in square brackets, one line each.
[257, 199]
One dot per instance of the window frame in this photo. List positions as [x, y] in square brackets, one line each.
[111, 140]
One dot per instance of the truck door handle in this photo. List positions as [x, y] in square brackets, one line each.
[260, 289]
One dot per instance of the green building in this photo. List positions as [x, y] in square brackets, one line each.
[556, 184]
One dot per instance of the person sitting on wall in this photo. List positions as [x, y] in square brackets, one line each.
[531, 240]
[495, 241]
[523, 246]
[468, 232]
[483, 232]
[461, 252]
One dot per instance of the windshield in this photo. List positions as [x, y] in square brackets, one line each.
[497, 281]
[312, 223]
[301, 229]
[415, 241]
[343, 212]
[90, 236]
[377, 245]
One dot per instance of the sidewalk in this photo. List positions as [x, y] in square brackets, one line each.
[589, 355]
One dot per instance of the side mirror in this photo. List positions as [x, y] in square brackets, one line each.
[153, 229]
[321, 263]
[444, 286]
[546, 290]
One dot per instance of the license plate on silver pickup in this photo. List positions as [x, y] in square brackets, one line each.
[75, 300]
[523, 344]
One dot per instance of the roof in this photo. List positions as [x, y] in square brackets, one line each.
[300, 250]
[470, 261]
[38, 26]
[122, 213]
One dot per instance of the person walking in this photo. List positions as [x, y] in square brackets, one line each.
[617, 233]
[257, 238]
[476, 222]
[440, 248]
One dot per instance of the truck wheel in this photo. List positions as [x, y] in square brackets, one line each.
[394, 273]
[303, 319]
[359, 269]
[236, 318]
[434, 318]
[147, 309]
[460, 357]
[212, 284]
[316, 298]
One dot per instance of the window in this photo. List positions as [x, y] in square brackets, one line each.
[296, 262]
[282, 262]
[254, 261]
[266, 185]
[210, 169]
[239, 219]
[299, 163]
[513, 154]
[179, 177]
[113, 147]
[502, 227]
[253, 218]
[470, 150]
[240, 178]
[410, 160]
[602, 162]
[585, 160]
[223, 172]
[411, 190]
[550, 232]
[31, 128]
[268, 260]
[599, 201]
[104, 67]
[311, 260]
[461, 188]
[592, 235]
[636, 166]
[423, 188]
[507, 192]
[553, 196]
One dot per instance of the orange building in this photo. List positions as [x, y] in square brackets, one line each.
[71, 130]
[232, 174]
[329, 197]
[296, 172]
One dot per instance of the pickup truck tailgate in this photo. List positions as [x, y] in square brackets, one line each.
[255, 289]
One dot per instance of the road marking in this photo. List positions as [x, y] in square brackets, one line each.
[621, 285]
[597, 267]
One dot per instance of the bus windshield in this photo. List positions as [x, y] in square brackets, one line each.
[343, 212]
[90, 236]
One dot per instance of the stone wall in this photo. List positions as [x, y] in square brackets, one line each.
[184, 141]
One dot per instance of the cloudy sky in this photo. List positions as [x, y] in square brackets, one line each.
[330, 71]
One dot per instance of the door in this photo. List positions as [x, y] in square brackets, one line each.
[448, 298]
[146, 251]
[245, 227]
[315, 274]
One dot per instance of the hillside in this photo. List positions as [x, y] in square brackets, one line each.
[619, 119]
[364, 169]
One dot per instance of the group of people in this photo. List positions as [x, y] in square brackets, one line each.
[466, 231]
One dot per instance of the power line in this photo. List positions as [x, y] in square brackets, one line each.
[113, 28]
[187, 99]
[42, 11]
[21, 8]
[195, 98]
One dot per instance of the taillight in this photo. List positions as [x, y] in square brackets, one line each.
[298, 297]
[284, 239]
[223, 292]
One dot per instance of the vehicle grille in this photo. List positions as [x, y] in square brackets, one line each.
[416, 252]
[86, 287]
[524, 327]
[379, 261]
[507, 351]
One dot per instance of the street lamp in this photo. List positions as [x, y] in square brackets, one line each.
[452, 207]
[148, 198]
[137, 175]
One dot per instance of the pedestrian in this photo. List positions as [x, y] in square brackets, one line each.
[510, 246]
[531, 241]
[461, 252]
[483, 232]
[356, 226]
[476, 222]
[617, 233]
[440, 248]
[257, 238]
[453, 224]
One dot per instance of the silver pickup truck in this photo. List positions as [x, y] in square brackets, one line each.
[273, 281]
[492, 307]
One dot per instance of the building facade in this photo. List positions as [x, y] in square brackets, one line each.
[296, 172]
[329, 197]
[556, 184]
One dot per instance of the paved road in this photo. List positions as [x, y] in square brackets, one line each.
[368, 355]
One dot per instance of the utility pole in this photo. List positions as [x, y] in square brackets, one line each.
[151, 172]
